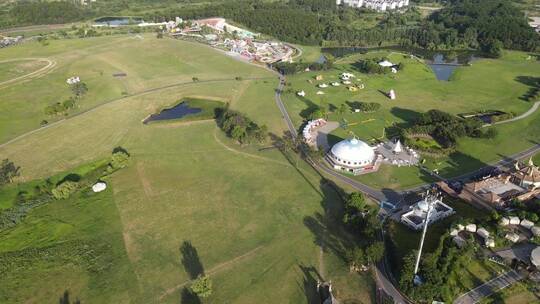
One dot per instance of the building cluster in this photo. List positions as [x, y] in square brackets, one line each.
[416, 217]
[378, 5]
[261, 51]
[521, 184]
[9, 41]
[235, 40]
[310, 131]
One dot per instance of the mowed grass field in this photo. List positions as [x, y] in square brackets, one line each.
[487, 84]
[256, 222]
[148, 63]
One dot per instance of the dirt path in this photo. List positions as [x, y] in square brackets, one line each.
[37, 73]
[216, 269]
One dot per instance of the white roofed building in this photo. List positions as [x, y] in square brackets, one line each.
[378, 5]
[415, 218]
[353, 156]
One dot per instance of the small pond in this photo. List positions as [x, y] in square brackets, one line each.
[444, 67]
[443, 63]
[117, 21]
[180, 110]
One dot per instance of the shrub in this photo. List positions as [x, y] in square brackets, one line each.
[65, 189]
[202, 286]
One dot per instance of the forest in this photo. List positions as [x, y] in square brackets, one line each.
[486, 25]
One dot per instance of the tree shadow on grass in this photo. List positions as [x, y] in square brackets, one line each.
[309, 283]
[460, 164]
[64, 299]
[327, 229]
[189, 297]
[407, 116]
[310, 107]
[190, 260]
[532, 82]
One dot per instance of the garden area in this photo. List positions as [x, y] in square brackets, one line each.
[472, 88]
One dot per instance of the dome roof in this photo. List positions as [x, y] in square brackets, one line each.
[535, 256]
[423, 205]
[353, 150]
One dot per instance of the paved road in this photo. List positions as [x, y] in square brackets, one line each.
[489, 288]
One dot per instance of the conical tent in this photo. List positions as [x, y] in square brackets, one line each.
[397, 147]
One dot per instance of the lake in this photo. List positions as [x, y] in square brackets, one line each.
[180, 110]
[117, 21]
[443, 63]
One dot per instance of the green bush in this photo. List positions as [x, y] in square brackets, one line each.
[65, 189]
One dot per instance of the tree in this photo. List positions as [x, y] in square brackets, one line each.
[375, 252]
[65, 189]
[202, 286]
[356, 257]
[342, 109]
[79, 89]
[8, 171]
[493, 48]
[119, 160]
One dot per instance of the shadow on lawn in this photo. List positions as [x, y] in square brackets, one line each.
[309, 283]
[64, 299]
[190, 260]
[326, 227]
[532, 82]
[188, 297]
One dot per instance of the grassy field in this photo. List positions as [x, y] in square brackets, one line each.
[256, 235]
[155, 64]
[486, 84]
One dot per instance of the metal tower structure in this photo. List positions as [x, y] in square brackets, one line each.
[430, 199]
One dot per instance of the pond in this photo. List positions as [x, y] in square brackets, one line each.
[180, 110]
[117, 21]
[443, 63]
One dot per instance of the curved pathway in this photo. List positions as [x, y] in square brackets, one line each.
[40, 72]
[522, 116]
[141, 93]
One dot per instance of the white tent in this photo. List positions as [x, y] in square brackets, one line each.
[397, 147]
[99, 186]
[392, 94]
[386, 64]
[301, 93]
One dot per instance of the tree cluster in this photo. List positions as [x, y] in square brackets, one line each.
[368, 107]
[78, 90]
[371, 66]
[289, 68]
[8, 171]
[438, 271]
[46, 12]
[446, 128]
[240, 128]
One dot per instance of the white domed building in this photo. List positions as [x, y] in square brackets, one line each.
[353, 156]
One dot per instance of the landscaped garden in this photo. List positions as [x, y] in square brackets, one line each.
[484, 84]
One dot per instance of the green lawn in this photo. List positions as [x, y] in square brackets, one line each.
[486, 84]
[149, 63]
[255, 221]
[18, 68]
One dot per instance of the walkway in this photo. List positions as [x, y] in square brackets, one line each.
[322, 134]
[490, 287]
[522, 116]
